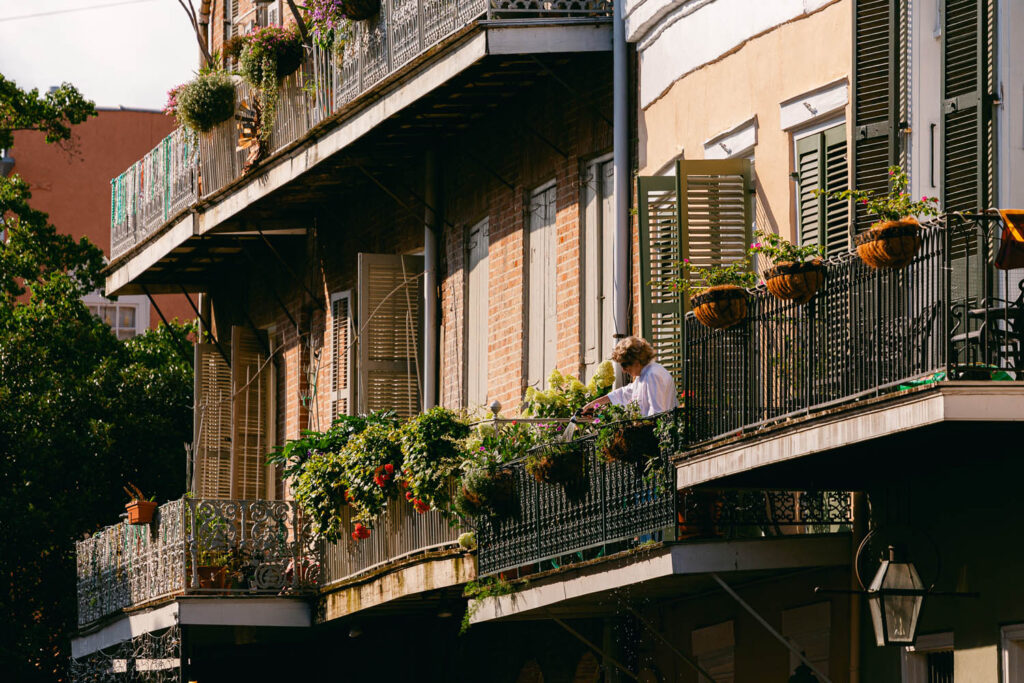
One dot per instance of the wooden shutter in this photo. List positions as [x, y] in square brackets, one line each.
[968, 138]
[821, 164]
[342, 394]
[390, 318]
[212, 478]
[598, 277]
[876, 97]
[477, 311]
[542, 310]
[715, 210]
[661, 250]
[251, 374]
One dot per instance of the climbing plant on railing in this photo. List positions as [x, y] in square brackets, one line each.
[269, 54]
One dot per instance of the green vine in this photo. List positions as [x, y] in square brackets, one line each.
[269, 55]
[481, 589]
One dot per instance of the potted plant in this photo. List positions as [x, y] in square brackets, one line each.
[566, 395]
[797, 271]
[560, 463]
[895, 238]
[717, 293]
[329, 24]
[269, 54]
[203, 102]
[432, 449]
[486, 489]
[623, 436]
[140, 508]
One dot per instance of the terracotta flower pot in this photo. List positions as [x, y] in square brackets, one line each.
[720, 306]
[795, 281]
[890, 244]
[140, 511]
[358, 10]
[632, 443]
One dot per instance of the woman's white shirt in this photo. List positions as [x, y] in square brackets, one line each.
[654, 391]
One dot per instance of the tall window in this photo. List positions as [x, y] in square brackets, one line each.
[477, 309]
[821, 164]
[542, 333]
[598, 237]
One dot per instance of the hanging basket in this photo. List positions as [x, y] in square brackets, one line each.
[140, 511]
[631, 443]
[562, 464]
[494, 495]
[890, 244]
[797, 282]
[358, 10]
[720, 306]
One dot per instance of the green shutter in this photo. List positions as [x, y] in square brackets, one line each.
[966, 107]
[835, 177]
[808, 180]
[876, 97]
[661, 250]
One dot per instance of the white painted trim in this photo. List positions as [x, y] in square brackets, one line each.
[128, 270]
[914, 660]
[782, 552]
[738, 141]
[530, 40]
[816, 128]
[814, 105]
[270, 611]
[1011, 654]
[960, 401]
[125, 628]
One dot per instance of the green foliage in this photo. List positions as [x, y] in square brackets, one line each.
[565, 395]
[780, 250]
[893, 205]
[695, 279]
[433, 450]
[53, 113]
[372, 462]
[205, 101]
[482, 589]
[607, 423]
[269, 55]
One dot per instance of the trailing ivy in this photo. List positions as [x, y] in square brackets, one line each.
[433, 452]
[269, 55]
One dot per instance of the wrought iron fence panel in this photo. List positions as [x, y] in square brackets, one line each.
[183, 162]
[149, 657]
[124, 195]
[126, 565]
[405, 22]
[292, 120]
[398, 533]
[757, 513]
[532, 9]
[866, 331]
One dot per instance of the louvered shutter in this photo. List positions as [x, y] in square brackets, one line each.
[477, 311]
[598, 277]
[808, 181]
[212, 478]
[661, 250]
[251, 374]
[342, 354]
[821, 164]
[876, 97]
[390, 305]
[967, 122]
[716, 214]
[542, 310]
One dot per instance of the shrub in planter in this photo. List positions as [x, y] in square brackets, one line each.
[372, 462]
[328, 23]
[432, 450]
[622, 436]
[563, 464]
[796, 272]
[893, 241]
[269, 55]
[205, 101]
[487, 490]
[717, 293]
[566, 395]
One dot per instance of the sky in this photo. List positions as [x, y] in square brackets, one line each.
[127, 55]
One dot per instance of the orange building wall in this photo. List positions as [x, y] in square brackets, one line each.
[74, 186]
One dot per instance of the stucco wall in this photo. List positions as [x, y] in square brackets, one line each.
[787, 61]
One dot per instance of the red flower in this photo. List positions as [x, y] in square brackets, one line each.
[389, 468]
[408, 495]
[420, 506]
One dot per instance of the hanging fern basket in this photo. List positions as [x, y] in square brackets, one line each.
[795, 281]
[720, 306]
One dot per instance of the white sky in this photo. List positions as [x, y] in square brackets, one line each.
[127, 55]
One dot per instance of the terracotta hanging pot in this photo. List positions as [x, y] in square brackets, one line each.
[720, 306]
[140, 511]
[890, 244]
[797, 282]
[358, 10]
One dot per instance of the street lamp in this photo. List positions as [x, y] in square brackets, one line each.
[894, 598]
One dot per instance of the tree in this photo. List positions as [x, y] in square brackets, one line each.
[81, 413]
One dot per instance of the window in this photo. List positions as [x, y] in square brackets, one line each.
[821, 164]
[715, 648]
[477, 310]
[342, 354]
[127, 317]
[810, 629]
[542, 333]
[598, 239]
[1012, 655]
[929, 660]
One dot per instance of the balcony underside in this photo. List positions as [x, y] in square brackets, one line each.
[453, 88]
[855, 445]
[674, 571]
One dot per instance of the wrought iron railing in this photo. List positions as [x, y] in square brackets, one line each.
[175, 175]
[197, 546]
[398, 534]
[944, 316]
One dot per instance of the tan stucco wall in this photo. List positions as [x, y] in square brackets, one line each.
[789, 60]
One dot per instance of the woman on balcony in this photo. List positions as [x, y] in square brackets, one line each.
[652, 389]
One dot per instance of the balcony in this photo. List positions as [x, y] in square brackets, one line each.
[232, 548]
[867, 333]
[177, 174]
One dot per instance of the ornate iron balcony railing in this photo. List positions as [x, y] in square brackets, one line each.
[222, 547]
[175, 175]
[866, 332]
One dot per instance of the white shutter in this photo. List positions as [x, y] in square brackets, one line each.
[389, 334]
[212, 477]
[477, 311]
[250, 374]
[342, 355]
[598, 282]
[542, 322]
